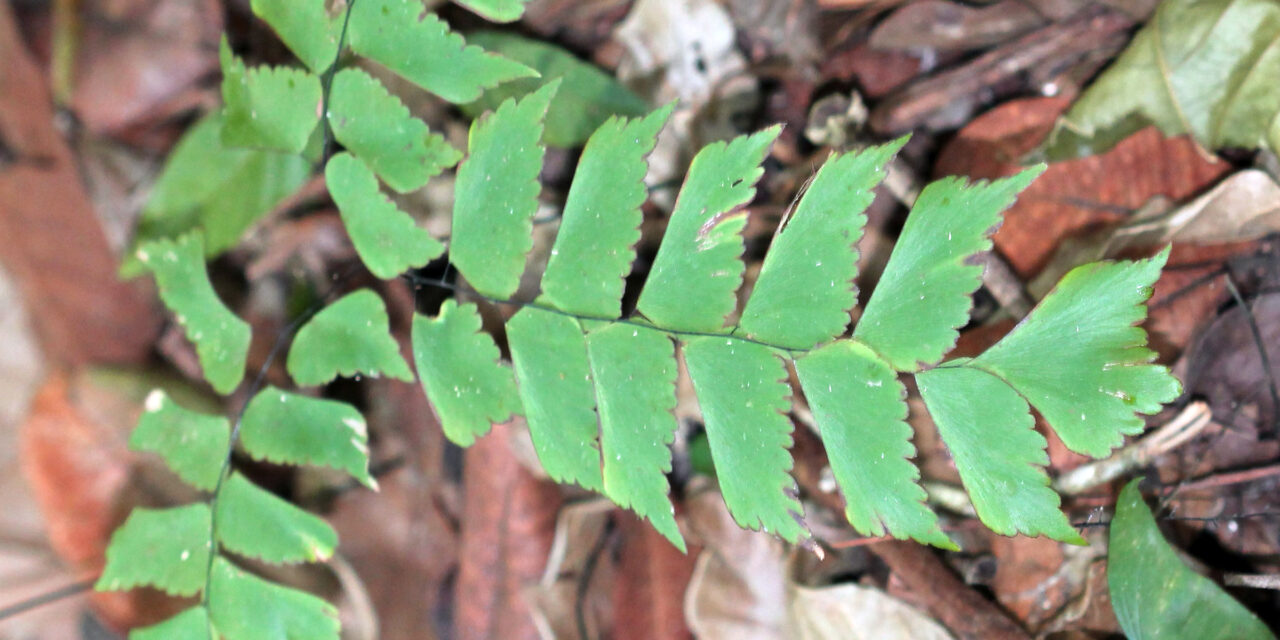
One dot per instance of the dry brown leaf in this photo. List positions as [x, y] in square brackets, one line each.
[572, 598]
[137, 58]
[738, 588]
[508, 521]
[1071, 196]
[651, 582]
[63, 264]
[939, 24]
[1243, 207]
[852, 612]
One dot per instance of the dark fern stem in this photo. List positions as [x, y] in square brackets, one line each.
[326, 86]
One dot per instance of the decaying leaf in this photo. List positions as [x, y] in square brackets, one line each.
[1201, 67]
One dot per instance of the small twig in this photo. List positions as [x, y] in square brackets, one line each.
[1252, 580]
[1185, 426]
[1229, 478]
[584, 580]
[48, 597]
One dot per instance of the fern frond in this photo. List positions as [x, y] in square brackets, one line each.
[496, 10]
[698, 269]
[272, 108]
[220, 190]
[377, 128]
[243, 606]
[348, 338]
[497, 194]
[163, 548]
[386, 238]
[924, 295]
[634, 372]
[595, 245]
[460, 373]
[805, 288]
[989, 430]
[257, 524]
[587, 98]
[290, 428]
[192, 624]
[549, 354]
[743, 393]
[190, 443]
[305, 27]
[421, 48]
[861, 410]
[1080, 359]
[221, 339]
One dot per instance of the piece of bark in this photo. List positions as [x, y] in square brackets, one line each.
[52, 242]
[949, 98]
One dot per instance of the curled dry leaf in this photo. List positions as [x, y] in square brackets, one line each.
[1075, 195]
[852, 612]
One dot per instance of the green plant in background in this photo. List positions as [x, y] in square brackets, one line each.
[1156, 595]
[597, 388]
[1207, 68]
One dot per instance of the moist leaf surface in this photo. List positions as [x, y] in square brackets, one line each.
[743, 393]
[163, 548]
[272, 108]
[698, 269]
[549, 354]
[246, 607]
[257, 524]
[421, 48]
[290, 428]
[377, 128]
[1156, 595]
[1081, 361]
[588, 96]
[192, 444]
[595, 245]
[805, 288]
[634, 371]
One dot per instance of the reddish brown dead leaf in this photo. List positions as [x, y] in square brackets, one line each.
[1071, 196]
[402, 550]
[77, 466]
[507, 525]
[650, 585]
[1024, 582]
[63, 264]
